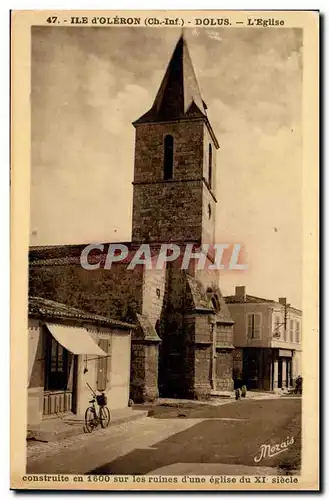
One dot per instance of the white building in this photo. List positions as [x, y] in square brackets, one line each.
[69, 349]
[267, 338]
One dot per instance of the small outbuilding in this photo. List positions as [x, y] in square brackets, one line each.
[69, 349]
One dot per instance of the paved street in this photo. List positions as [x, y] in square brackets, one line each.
[205, 440]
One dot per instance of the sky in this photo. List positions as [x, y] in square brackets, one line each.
[90, 84]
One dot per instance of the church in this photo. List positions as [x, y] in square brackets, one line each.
[182, 335]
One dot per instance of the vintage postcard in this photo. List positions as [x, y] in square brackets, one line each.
[164, 253]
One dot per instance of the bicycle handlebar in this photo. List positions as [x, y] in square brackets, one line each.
[92, 390]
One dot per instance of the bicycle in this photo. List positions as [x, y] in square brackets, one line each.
[92, 420]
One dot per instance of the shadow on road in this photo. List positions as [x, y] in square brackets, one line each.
[214, 440]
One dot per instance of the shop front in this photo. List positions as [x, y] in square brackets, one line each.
[282, 371]
[67, 355]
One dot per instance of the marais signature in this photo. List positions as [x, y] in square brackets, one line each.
[271, 450]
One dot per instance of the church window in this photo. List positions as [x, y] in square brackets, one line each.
[168, 157]
[210, 166]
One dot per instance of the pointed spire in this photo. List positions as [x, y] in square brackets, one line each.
[179, 94]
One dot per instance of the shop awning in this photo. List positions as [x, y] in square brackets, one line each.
[75, 340]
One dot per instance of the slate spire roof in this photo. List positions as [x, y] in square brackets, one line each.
[179, 95]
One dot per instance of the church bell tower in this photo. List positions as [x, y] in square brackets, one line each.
[174, 196]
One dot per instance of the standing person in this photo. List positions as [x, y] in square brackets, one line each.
[299, 384]
[243, 391]
[238, 382]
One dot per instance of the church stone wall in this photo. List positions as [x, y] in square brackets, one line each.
[144, 372]
[188, 150]
[208, 216]
[165, 212]
[224, 335]
[154, 289]
[203, 329]
[111, 292]
[208, 277]
[202, 383]
[168, 210]
[207, 139]
[224, 370]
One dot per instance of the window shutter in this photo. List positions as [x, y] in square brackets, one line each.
[291, 330]
[250, 324]
[297, 331]
[102, 366]
[257, 325]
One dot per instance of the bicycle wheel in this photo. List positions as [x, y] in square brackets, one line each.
[104, 416]
[91, 419]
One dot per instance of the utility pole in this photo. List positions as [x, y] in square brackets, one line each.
[283, 301]
[285, 316]
[286, 306]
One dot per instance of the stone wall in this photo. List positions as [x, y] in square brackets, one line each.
[208, 277]
[188, 150]
[168, 210]
[111, 292]
[172, 349]
[202, 382]
[203, 329]
[154, 290]
[208, 216]
[151, 372]
[224, 335]
[207, 139]
[224, 370]
[144, 372]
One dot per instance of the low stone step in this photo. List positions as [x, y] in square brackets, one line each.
[222, 394]
[56, 429]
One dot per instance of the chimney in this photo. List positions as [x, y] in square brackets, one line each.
[240, 293]
[283, 301]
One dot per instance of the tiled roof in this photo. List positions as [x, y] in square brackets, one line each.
[250, 299]
[45, 308]
[60, 255]
[232, 299]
